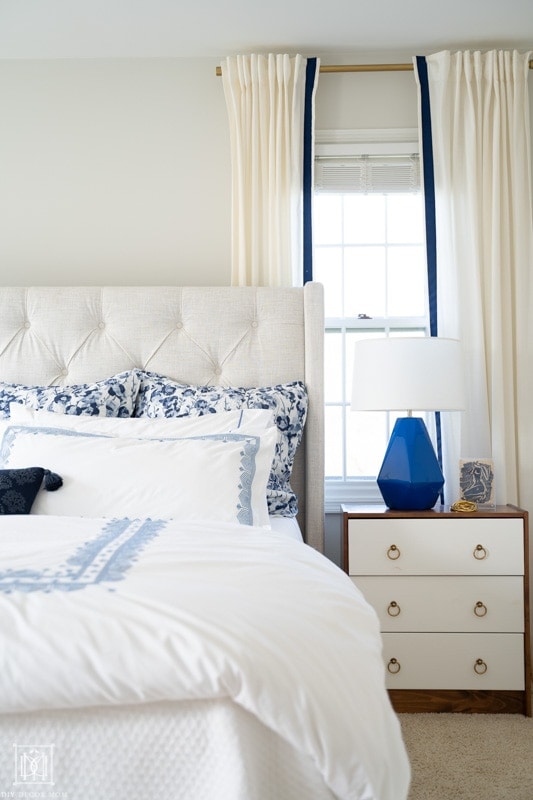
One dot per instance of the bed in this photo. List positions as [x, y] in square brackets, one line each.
[167, 630]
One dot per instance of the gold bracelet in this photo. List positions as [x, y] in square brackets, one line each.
[463, 505]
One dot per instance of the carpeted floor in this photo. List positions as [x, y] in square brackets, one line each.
[469, 756]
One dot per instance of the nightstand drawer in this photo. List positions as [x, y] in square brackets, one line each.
[439, 546]
[454, 661]
[453, 604]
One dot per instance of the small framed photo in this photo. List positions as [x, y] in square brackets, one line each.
[476, 481]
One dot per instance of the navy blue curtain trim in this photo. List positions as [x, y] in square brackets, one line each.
[431, 228]
[429, 192]
[310, 77]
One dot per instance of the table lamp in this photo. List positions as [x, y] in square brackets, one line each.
[408, 374]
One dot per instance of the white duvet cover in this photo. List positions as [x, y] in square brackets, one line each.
[97, 613]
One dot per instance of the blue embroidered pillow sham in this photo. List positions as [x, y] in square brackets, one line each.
[112, 397]
[161, 397]
[220, 477]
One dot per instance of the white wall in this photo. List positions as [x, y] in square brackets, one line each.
[113, 171]
[117, 171]
[349, 100]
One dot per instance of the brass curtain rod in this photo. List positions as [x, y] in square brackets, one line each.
[356, 68]
[364, 68]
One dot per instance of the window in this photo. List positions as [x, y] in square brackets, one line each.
[369, 253]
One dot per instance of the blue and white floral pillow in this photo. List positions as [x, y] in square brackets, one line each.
[113, 397]
[161, 397]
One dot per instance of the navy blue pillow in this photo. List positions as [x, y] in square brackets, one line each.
[19, 487]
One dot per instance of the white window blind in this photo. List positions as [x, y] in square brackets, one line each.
[367, 174]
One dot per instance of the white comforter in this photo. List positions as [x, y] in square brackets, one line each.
[94, 612]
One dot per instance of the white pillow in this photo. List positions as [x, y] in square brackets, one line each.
[245, 420]
[217, 477]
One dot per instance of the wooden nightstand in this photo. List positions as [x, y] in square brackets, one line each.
[451, 591]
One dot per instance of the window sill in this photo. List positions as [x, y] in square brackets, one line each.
[361, 491]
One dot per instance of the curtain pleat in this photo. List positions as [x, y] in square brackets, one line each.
[484, 248]
[269, 100]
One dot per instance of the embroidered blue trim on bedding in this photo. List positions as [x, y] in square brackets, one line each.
[108, 557]
[247, 469]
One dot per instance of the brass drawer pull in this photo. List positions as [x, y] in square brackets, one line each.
[480, 609]
[480, 667]
[480, 553]
[394, 609]
[393, 552]
[394, 666]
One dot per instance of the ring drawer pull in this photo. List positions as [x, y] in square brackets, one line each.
[480, 609]
[394, 666]
[480, 667]
[393, 552]
[480, 553]
[394, 609]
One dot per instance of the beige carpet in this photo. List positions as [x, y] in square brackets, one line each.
[469, 756]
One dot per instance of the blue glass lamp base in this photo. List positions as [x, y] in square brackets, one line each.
[410, 478]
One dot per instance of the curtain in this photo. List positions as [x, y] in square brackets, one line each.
[270, 104]
[474, 119]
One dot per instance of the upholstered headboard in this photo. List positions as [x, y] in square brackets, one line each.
[226, 336]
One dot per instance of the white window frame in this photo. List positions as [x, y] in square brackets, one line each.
[395, 141]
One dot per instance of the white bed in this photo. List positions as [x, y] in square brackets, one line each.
[302, 712]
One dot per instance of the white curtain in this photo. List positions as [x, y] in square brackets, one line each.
[266, 100]
[484, 245]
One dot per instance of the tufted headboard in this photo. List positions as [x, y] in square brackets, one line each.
[230, 336]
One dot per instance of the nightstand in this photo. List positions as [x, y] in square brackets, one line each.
[451, 591]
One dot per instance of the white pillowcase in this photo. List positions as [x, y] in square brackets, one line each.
[217, 477]
[247, 420]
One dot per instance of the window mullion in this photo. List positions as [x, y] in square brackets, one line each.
[343, 345]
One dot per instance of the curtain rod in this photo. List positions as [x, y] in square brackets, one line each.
[364, 68]
[356, 68]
